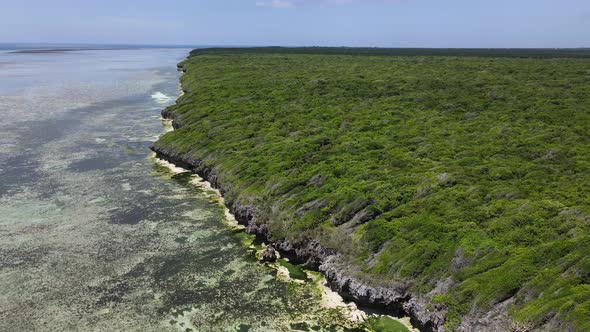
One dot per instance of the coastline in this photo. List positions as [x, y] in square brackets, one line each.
[393, 302]
[372, 180]
[330, 299]
[384, 301]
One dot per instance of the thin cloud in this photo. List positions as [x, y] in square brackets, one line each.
[284, 4]
[291, 4]
[339, 2]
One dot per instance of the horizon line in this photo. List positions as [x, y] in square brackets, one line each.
[57, 45]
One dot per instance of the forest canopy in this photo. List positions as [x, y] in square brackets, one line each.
[470, 169]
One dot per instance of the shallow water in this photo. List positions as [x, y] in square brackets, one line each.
[95, 234]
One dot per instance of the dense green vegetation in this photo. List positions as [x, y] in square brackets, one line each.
[385, 324]
[415, 168]
[479, 52]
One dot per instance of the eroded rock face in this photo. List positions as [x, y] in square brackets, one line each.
[393, 300]
[269, 254]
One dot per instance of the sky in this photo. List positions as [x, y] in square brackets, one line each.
[372, 23]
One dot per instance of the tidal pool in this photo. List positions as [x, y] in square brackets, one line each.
[97, 235]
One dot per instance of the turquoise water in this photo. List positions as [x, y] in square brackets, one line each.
[97, 236]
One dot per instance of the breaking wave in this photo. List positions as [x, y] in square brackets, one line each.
[161, 98]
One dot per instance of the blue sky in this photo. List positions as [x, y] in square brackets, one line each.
[393, 23]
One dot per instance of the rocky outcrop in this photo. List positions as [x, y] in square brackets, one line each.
[393, 300]
[269, 254]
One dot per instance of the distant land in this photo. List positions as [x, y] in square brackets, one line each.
[479, 52]
[57, 47]
[402, 51]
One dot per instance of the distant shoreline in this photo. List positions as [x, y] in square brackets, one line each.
[56, 50]
[48, 48]
[41, 48]
[64, 50]
[540, 53]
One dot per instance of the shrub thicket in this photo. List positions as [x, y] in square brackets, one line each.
[415, 168]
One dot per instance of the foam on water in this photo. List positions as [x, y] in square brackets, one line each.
[161, 98]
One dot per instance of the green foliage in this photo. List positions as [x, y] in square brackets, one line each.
[384, 324]
[480, 52]
[415, 168]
